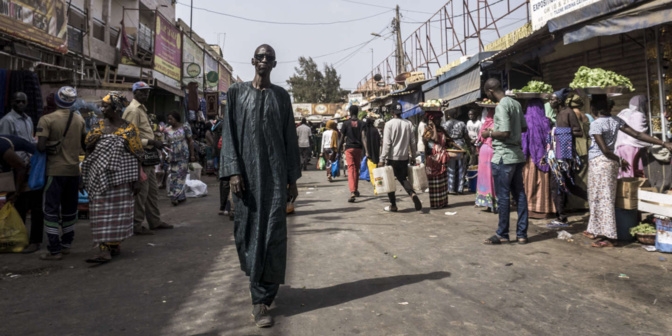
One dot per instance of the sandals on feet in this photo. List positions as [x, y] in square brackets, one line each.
[602, 243]
[495, 240]
[589, 235]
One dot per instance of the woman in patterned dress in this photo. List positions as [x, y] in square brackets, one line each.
[485, 185]
[111, 172]
[179, 136]
[603, 168]
[436, 158]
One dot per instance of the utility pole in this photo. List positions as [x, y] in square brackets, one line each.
[401, 66]
[191, 17]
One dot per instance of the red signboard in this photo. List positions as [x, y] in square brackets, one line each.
[167, 48]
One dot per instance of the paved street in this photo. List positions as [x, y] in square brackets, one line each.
[353, 270]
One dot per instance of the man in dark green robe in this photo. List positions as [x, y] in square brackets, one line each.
[260, 157]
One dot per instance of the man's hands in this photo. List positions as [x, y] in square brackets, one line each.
[238, 186]
[668, 145]
[382, 163]
[625, 165]
[485, 133]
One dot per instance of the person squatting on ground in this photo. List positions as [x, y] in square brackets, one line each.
[147, 200]
[19, 124]
[398, 139]
[61, 134]
[260, 157]
[111, 174]
[351, 141]
[507, 161]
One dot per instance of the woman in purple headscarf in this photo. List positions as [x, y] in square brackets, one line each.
[536, 174]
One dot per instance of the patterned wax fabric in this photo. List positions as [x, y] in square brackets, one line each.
[564, 143]
[109, 165]
[607, 127]
[178, 142]
[127, 131]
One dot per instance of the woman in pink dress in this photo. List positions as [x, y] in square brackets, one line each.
[485, 190]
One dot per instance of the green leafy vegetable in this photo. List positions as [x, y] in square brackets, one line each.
[643, 229]
[587, 77]
[536, 86]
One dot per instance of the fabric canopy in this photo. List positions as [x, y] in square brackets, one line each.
[644, 16]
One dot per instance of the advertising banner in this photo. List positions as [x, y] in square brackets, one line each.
[167, 49]
[544, 10]
[224, 78]
[40, 21]
[211, 72]
[302, 109]
[192, 53]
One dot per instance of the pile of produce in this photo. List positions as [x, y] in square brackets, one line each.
[431, 103]
[587, 77]
[536, 87]
[488, 101]
[643, 229]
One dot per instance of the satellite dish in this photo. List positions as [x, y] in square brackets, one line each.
[377, 77]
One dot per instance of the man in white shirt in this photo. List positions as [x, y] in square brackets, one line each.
[398, 138]
[305, 136]
[474, 126]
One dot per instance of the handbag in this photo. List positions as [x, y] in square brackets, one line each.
[38, 165]
[152, 157]
[54, 147]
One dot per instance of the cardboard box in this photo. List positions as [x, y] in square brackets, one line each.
[629, 186]
[626, 203]
[650, 200]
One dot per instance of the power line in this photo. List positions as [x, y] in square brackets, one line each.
[372, 5]
[285, 23]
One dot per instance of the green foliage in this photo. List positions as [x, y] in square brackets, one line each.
[536, 86]
[587, 77]
[310, 85]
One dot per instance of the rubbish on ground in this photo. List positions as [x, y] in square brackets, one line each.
[403, 303]
[451, 213]
[395, 257]
[509, 264]
[564, 235]
[661, 259]
[309, 192]
[624, 276]
[14, 276]
[650, 248]
[150, 244]
[433, 236]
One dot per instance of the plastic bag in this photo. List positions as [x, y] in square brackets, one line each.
[364, 173]
[13, 234]
[37, 175]
[195, 188]
[321, 164]
[336, 167]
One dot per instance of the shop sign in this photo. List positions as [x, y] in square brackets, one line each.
[224, 78]
[302, 109]
[167, 48]
[211, 103]
[193, 70]
[212, 72]
[510, 39]
[43, 22]
[356, 98]
[321, 109]
[192, 61]
[544, 10]
[416, 76]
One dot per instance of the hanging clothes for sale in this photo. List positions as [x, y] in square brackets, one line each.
[192, 100]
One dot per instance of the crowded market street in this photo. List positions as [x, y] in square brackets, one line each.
[352, 270]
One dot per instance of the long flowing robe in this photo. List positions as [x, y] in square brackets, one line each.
[259, 142]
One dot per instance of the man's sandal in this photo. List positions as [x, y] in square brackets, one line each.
[495, 240]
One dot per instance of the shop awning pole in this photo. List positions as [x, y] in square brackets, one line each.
[648, 85]
[661, 86]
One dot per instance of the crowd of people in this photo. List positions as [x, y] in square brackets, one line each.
[113, 160]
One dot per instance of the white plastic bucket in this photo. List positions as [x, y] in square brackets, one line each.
[383, 179]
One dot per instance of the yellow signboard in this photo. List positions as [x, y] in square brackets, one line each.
[510, 39]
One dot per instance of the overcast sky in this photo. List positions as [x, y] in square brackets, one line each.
[292, 41]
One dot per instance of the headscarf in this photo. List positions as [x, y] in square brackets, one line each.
[332, 125]
[117, 100]
[562, 94]
[574, 101]
[635, 117]
[538, 128]
[432, 115]
[373, 141]
[488, 123]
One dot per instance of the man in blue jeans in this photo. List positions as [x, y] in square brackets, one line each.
[507, 161]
